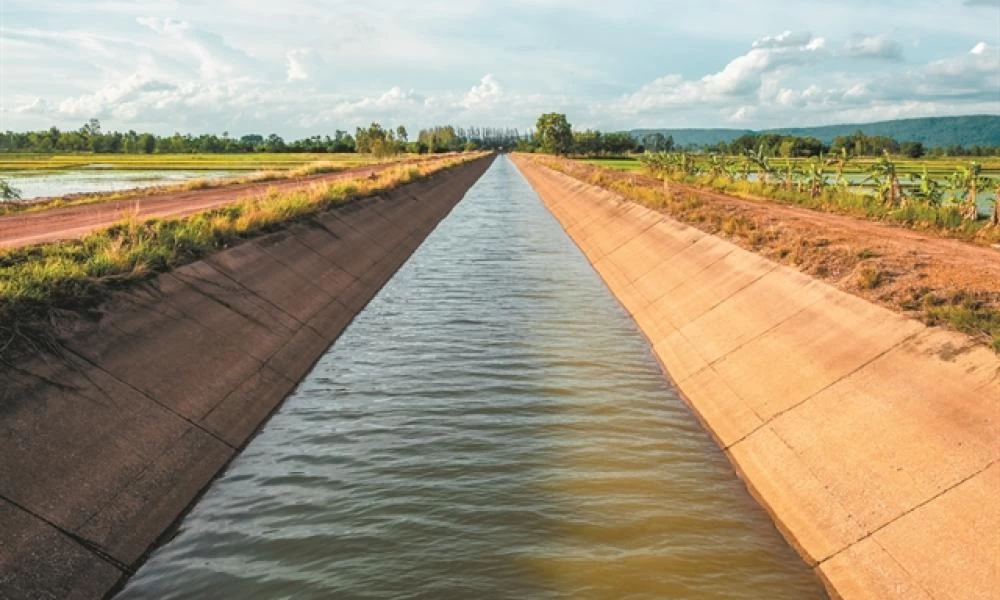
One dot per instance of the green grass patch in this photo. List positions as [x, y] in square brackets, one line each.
[75, 274]
[966, 312]
[620, 164]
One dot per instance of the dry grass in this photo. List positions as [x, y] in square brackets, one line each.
[73, 274]
[860, 270]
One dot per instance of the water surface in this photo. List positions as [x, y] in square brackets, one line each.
[47, 184]
[492, 425]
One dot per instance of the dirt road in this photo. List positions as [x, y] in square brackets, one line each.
[22, 229]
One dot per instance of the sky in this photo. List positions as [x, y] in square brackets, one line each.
[308, 67]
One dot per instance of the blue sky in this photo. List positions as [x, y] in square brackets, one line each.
[299, 67]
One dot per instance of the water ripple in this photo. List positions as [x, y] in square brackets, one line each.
[491, 426]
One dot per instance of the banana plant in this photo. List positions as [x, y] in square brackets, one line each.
[841, 161]
[760, 160]
[965, 183]
[734, 171]
[788, 177]
[815, 175]
[995, 221]
[685, 164]
[717, 165]
[928, 189]
[883, 173]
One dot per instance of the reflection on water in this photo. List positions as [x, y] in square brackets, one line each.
[491, 426]
[46, 184]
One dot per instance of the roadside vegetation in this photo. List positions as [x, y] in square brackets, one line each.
[76, 274]
[965, 307]
[305, 170]
[945, 204]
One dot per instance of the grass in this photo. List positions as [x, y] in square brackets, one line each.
[75, 274]
[621, 164]
[966, 312]
[870, 277]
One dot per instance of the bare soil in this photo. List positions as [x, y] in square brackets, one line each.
[896, 267]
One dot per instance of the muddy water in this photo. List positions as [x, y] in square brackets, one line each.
[491, 426]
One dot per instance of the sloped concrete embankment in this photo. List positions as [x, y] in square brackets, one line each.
[106, 437]
[871, 439]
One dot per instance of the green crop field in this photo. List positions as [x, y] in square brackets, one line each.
[941, 167]
[621, 164]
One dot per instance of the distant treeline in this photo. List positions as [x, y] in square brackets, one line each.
[372, 139]
[554, 134]
[856, 144]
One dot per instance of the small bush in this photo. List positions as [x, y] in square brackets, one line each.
[870, 277]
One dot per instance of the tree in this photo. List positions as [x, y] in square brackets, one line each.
[912, 149]
[401, 134]
[92, 127]
[8, 193]
[655, 142]
[555, 134]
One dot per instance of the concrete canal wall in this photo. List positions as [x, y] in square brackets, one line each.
[871, 439]
[109, 432]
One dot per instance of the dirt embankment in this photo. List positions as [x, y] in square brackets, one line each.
[113, 428]
[60, 223]
[938, 280]
[872, 439]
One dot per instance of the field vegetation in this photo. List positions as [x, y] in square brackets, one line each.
[861, 270]
[75, 274]
[10, 206]
[945, 203]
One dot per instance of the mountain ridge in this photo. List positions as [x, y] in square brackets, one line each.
[968, 130]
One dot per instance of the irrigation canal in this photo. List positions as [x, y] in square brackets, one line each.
[492, 425]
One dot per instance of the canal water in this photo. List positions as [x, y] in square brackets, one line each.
[492, 425]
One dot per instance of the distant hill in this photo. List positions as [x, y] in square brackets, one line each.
[982, 130]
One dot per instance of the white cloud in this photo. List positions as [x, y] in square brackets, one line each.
[786, 39]
[300, 69]
[740, 79]
[483, 95]
[873, 46]
[296, 69]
